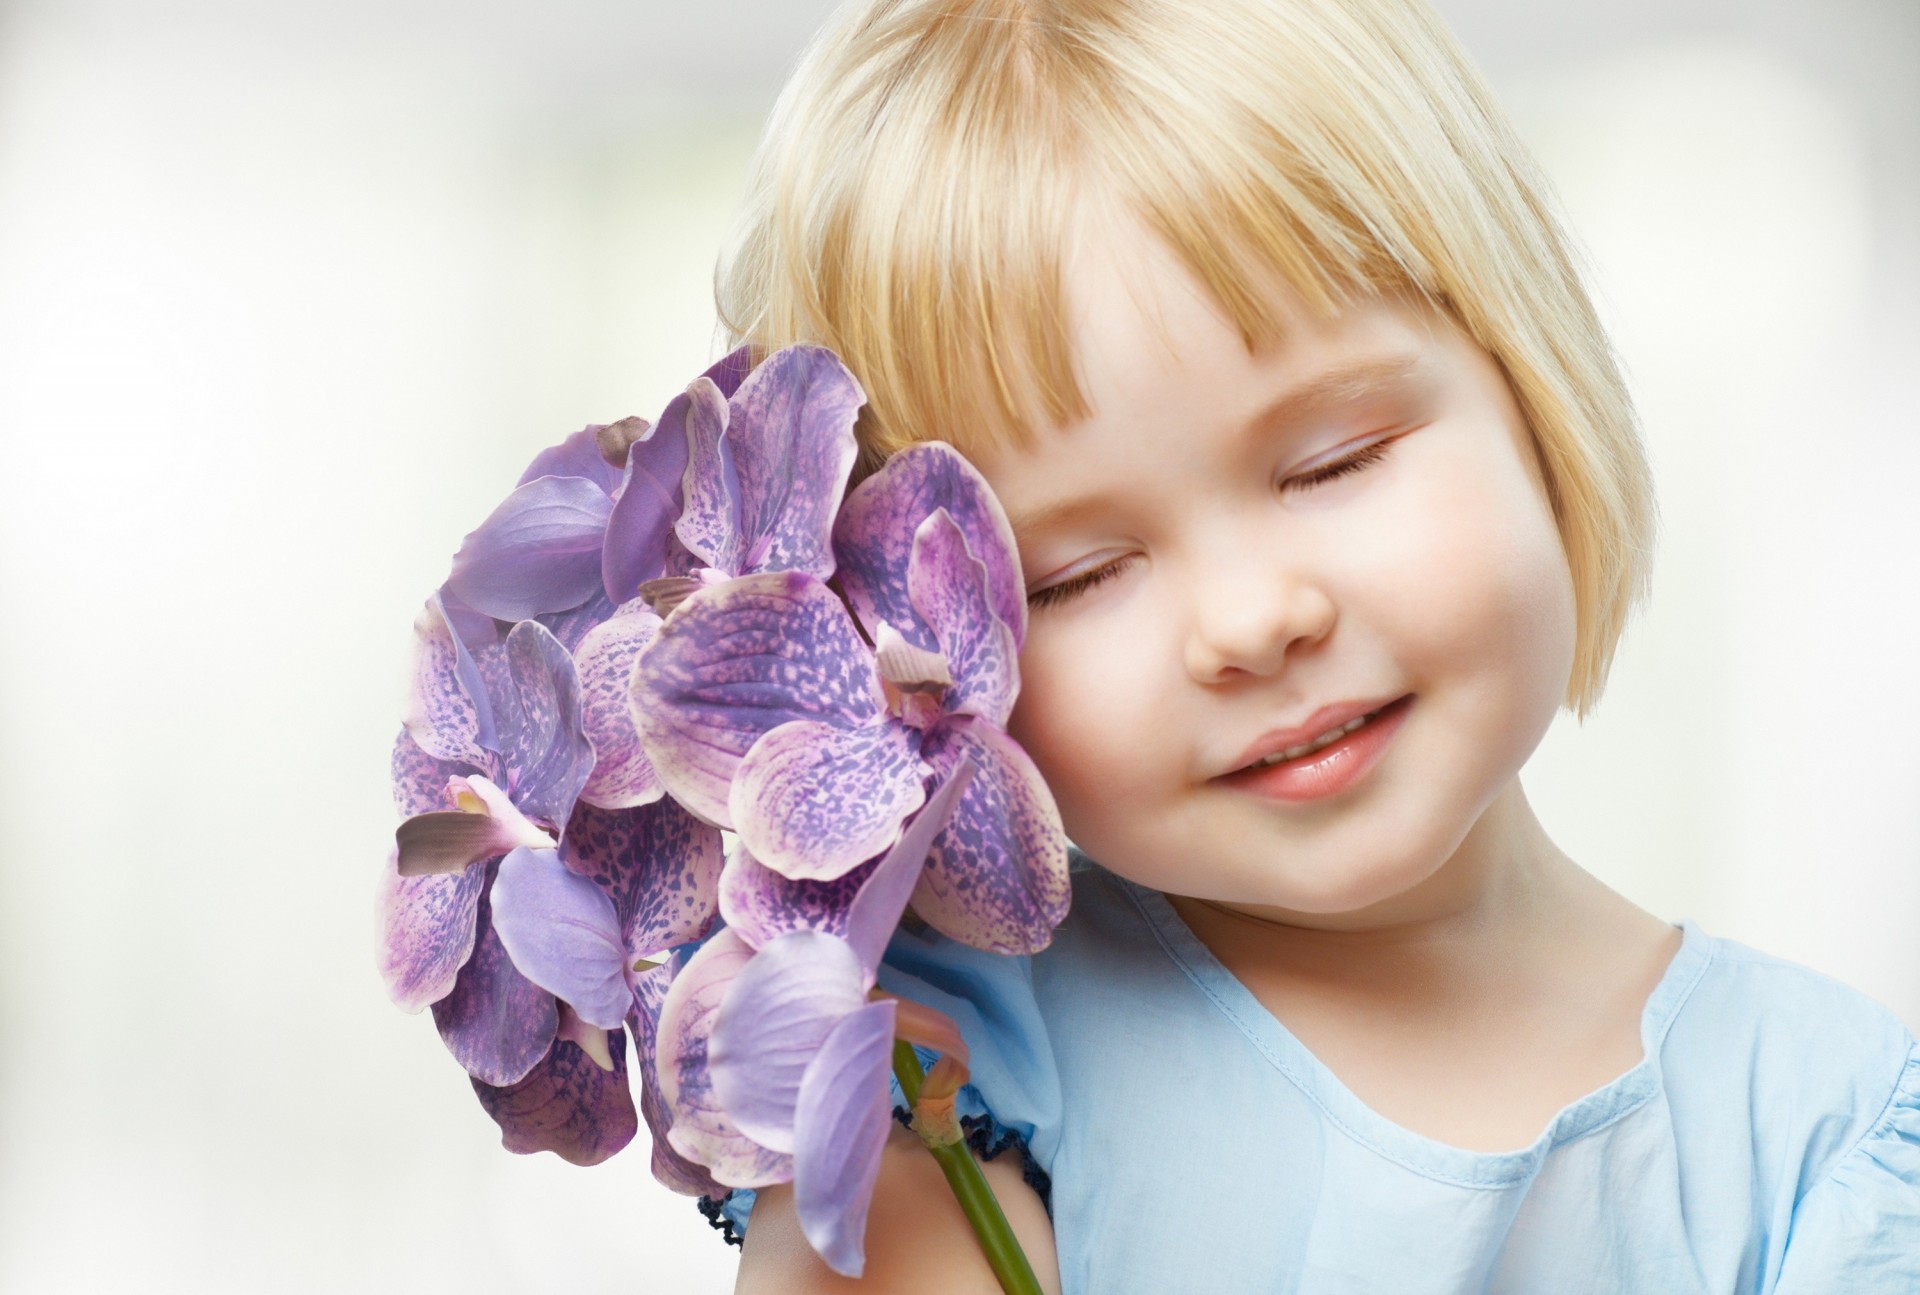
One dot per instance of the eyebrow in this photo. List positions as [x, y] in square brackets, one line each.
[1340, 384]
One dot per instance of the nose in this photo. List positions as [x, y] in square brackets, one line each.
[1248, 610]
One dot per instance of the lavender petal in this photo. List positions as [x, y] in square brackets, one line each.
[813, 799]
[447, 711]
[736, 661]
[790, 435]
[843, 1124]
[671, 1168]
[998, 876]
[577, 456]
[701, 1130]
[761, 905]
[496, 1022]
[539, 551]
[420, 782]
[949, 590]
[709, 523]
[537, 710]
[877, 905]
[775, 1015]
[562, 934]
[425, 931]
[659, 864]
[566, 1104]
[873, 538]
[622, 775]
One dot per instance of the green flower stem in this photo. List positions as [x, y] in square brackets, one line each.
[1004, 1255]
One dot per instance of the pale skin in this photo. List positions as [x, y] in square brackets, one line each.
[1198, 581]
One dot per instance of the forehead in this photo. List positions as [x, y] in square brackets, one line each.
[1167, 374]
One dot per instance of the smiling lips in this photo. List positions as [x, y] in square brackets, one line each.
[1334, 749]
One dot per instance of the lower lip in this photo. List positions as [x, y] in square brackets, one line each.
[1330, 770]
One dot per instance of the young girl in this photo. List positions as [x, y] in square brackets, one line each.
[1328, 495]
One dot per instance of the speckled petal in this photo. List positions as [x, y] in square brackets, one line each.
[876, 908]
[566, 1104]
[539, 551]
[419, 781]
[701, 1130]
[812, 799]
[844, 1120]
[447, 711]
[737, 660]
[873, 538]
[562, 934]
[572, 625]
[537, 710]
[709, 523]
[949, 590]
[425, 930]
[496, 1022]
[672, 1169]
[659, 864]
[761, 905]
[790, 438]
[640, 541]
[998, 876]
[622, 775]
[775, 1015]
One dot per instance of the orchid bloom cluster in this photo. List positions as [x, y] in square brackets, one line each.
[639, 651]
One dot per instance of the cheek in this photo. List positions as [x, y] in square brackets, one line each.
[1082, 716]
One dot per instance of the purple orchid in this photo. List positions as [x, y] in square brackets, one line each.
[500, 730]
[765, 464]
[763, 709]
[777, 1060]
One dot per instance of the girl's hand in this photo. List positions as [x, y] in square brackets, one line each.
[917, 1238]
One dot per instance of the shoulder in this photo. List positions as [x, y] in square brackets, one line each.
[1811, 1065]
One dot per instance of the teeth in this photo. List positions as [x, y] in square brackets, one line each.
[1307, 748]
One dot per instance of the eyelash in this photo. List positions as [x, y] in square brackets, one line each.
[1067, 590]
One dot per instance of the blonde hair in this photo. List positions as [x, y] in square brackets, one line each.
[912, 198]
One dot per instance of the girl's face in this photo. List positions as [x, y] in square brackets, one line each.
[1233, 555]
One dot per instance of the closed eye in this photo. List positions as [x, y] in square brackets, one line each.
[1361, 458]
[1066, 590]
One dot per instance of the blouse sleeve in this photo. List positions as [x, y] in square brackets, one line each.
[1858, 1229]
[1012, 1103]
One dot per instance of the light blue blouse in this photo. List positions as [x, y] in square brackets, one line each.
[1769, 1140]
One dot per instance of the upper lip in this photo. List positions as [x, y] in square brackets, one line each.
[1328, 717]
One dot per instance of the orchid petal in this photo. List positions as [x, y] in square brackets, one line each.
[709, 523]
[671, 1168]
[873, 538]
[701, 1129]
[562, 934]
[998, 876]
[569, 627]
[539, 551]
[790, 438]
[420, 782]
[736, 661]
[949, 590]
[876, 908]
[622, 775]
[845, 1116]
[812, 799]
[778, 1011]
[659, 864]
[537, 710]
[496, 1022]
[425, 931]
[761, 905]
[580, 455]
[567, 1104]
[447, 711]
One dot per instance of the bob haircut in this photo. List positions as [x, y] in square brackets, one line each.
[912, 200]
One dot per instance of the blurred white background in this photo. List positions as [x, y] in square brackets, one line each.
[290, 292]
